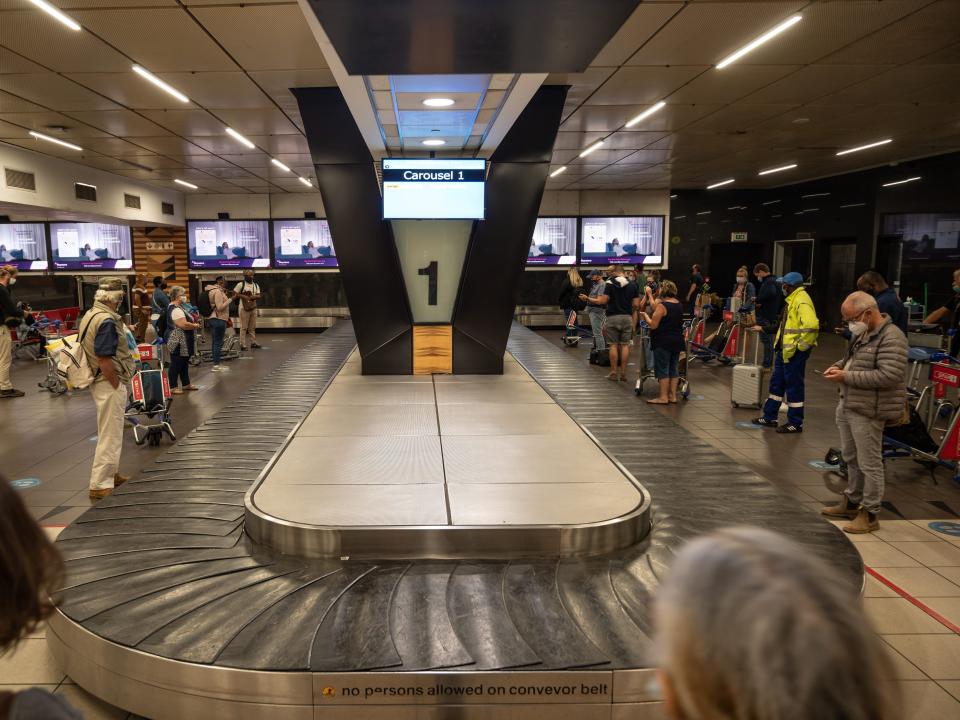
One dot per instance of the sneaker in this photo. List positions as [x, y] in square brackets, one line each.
[11, 393]
[243, 349]
[864, 522]
[763, 421]
[844, 509]
[789, 429]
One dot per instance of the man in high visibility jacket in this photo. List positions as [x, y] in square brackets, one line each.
[796, 337]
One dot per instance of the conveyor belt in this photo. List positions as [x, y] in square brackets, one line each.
[162, 571]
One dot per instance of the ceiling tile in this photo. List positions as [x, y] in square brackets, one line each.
[128, 89]
[214, 90]
[909, 80]
[575, 140]
[48, 122]
[168, 145]
[277, 83]
[11, 103]
[122, 123]
[11, 62]
[186, 122]
[500, 81]
[731, 83]
[736, 118]
[414, 101]
[36, 36]
[613, 117]
[267, 121]
[814, 81]
[54, 91]
[643, 85]
[597, 157]
[645, 21]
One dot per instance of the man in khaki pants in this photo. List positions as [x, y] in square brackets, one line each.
[249, 293]
[105, 343]
[8, 313]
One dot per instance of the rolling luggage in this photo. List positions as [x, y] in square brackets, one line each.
[749, 381]
[600, 357]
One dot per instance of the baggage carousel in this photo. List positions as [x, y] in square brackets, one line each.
[173, 610]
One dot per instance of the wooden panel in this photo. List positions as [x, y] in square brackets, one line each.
[432, 349]
[163, 252]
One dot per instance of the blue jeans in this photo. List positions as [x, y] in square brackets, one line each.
[666, 363]
[767, 340]
[218, 328]
[596, 324]
[786, 385]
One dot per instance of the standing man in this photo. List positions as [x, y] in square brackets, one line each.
[249, 293]
[220, 303]
[696, 285]
[160, 300]
[103, 340]
[872, 381]
[796, 337]
[142, 307]
[873, 283]
[620, 296]
[769, 302]
[10, 316]
[951, 313]
[596, 313]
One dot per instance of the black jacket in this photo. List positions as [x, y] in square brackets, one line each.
[7, 307]
[769, 301]
[570, 296]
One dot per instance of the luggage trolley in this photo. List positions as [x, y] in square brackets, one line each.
[646, 359]
[150, 397]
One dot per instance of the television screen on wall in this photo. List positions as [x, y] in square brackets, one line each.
[554, 242]
[90, 246]
[429, 189]
[214, 244]
[628, 240]
[303, 244]
[933, 236]
[23, 245]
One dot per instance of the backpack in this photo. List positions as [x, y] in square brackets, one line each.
[163, 323]
[204, 305]
[72, 363]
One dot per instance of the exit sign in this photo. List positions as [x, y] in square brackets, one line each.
[738, 237]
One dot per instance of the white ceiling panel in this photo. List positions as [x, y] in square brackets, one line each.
[127, 89]
[414, 101]
[731, 83]
[643, 85]
[215, 90]
[266, 121]
[642, 24]
[54, 91]
[32, 33]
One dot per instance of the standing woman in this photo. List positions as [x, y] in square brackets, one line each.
[141, 304]
[180, 339]
[570, 297]
[666, 340]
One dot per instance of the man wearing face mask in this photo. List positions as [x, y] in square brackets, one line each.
[795, 338]
[874, 284]
[249, 293]
[951, 313]
[10, 317]
[872, 382]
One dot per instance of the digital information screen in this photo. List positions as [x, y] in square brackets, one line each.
[926, 236]
[90, 246]
[622, 240]
[303, 244]
[23, 245]
[554, 242]
[433, 189]
[216, 244]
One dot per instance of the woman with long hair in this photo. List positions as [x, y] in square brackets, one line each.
[569, 299]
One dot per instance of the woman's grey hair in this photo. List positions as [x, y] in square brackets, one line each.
[114, 297]
[750, 625]
[176, 291]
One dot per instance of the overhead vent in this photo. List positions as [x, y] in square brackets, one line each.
[83, 191]
[131, 201]
[20, 179]
[166, 208]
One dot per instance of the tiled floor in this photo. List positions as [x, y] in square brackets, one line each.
[906, 553]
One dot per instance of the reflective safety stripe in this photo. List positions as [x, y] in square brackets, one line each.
[800, 331]
[778, 398]
[790, 404]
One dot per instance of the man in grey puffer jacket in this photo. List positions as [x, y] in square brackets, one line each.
[872, 380]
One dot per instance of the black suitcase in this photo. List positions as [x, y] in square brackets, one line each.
[600, 357]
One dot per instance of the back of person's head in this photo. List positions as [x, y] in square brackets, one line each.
[573, 275]
[30, 570]
[761, 267]
[871, 280]
[8, 270]
[696, 268]
[752, 626]
[157, 281]
[668, 288]
[220, 279]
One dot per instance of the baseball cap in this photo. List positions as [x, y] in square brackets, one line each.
[793, 279]
[110, 283]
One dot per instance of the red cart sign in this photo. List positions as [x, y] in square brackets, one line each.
[944, 375]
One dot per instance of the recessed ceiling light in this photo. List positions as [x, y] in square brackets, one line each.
[434, 142]
[558, 171]
[279, 164]
[865, 147]
[721, 183]
[55, 13]
[770, 202]
[41, 136]
[305, 182]
[800, 121]
[753, 45]
[596, 146]
[812, 195]
[901, 182]
[147, 75]
[178, 181]
[646, 113]
[439, 102]
[240, 138]
[777, 169]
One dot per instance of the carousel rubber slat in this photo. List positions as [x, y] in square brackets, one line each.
[89, 569]
[138, 495]
[202, 511]
[107, 545]
[173, 525]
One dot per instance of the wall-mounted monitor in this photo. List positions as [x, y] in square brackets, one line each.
[90, 246]
[23, 245]
[214, 244]
[303, 244]
[430, 189]
[925, 236]
[628, 240]
[554, 242]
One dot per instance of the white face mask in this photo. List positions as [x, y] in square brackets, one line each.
[857, 328]
[13, 281]
[741, 281]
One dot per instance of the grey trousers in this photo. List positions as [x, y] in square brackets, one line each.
[596, 324]
[861, 441]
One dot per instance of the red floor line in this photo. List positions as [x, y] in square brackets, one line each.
[907, 596]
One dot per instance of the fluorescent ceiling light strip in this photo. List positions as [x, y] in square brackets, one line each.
[41, 136]
[813, 195]
[679, 217]
[777, 169]
[279, 164]
[853, 205]
[438, 102]
[901, 182]
[769, 35]
[720, 184]
[147, 75]
[178, 181]
[770, 202]
[558, 171]
[56, 13]
[434, 142]
[646, 113]
[305, 181]
[865, 147]
[672, 196]
[705, 212]
[240, 138]
[596, 146]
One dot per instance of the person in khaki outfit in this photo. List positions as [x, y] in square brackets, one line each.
[872, 380]
[8, 314]
[249, 293]
[105, 344]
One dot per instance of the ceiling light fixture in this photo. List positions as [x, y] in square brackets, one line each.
[705, 212]
[86, 185]
[558, 171]
[679, 217]
[813, 195]
[439, 102]
[770, 202]
[56, 13]
[864, 147]
[279, 164]
[721, 183]
[305, 182]
[240, 138]
[672, 197]
[901, 182]
[596, 146]
[433, 142]
[850, 205]
[41, 136]
[646, 113]
[777, 169]
[178, 181]
[753, 45]
[147, 75]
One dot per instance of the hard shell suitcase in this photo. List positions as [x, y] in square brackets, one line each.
[749, 381]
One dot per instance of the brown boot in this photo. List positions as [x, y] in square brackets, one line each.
[100, 493]
[864, 522]
[119, 479]
[845, 509]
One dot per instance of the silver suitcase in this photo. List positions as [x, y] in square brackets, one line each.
[749, 381]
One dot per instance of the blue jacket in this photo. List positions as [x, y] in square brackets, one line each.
[769, 302]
